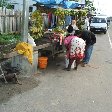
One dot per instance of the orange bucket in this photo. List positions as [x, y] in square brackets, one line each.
[42, 61]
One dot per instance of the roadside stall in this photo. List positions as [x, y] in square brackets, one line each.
[49, 24]
[46, 33]
[48, 38]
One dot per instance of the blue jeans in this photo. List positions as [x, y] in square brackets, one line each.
[88, 52]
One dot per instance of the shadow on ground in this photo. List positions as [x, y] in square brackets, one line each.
[28, 83]
[9, 90]
[58, 63]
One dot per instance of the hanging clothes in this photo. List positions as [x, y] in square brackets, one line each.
[52, 21]
[49, 19]
[45, 18]
[68, 20]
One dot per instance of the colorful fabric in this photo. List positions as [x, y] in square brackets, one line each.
[58, 38]
[75, 47]
[68, 39]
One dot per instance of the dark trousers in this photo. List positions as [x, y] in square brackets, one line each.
[88, 52]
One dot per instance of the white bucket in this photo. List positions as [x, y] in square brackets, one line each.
[67, 62]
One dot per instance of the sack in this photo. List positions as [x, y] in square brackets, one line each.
[31, 40]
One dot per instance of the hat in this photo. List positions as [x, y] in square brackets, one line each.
[70, 29]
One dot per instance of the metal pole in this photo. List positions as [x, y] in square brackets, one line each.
[25, 17]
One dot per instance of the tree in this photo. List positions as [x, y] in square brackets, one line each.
[4, 3]
[89, 6]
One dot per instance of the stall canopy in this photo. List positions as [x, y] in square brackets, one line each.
[49, 2]
[70, 4]
[54, 3]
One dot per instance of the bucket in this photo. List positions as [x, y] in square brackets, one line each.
[42, 61]
[67, 62]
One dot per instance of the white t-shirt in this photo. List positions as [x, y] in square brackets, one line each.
[74, 28]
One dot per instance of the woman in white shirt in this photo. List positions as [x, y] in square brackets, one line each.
[73, 24]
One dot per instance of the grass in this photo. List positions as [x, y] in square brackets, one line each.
[7, 43]
[9, 38]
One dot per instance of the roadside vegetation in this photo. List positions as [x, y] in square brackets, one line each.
[9, 38]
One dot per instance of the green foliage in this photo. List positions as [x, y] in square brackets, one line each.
[73, 12]
[89, 5]
[61, 16]
[4, 3]
[80, 24]
[58, 30]
[7, 43]
[9, 6]
[37, 25]
[61, 13]
[9, 38]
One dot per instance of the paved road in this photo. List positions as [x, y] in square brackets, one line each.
[87, 90]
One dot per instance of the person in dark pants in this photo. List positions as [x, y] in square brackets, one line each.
[90, 40]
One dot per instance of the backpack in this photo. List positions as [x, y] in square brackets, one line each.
[93, 38]
[89, 37]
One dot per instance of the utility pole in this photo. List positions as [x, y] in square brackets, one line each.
[25, 18]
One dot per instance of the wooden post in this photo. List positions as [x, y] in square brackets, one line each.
[25, 17]
[11, 21]
[20, 61]
[1, 19]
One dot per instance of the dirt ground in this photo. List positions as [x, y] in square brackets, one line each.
[27, 83]
[11, 89]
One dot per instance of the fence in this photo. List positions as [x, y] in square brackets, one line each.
[10, 21]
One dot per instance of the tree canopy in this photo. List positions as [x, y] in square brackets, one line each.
[4, 3]
[88, 5]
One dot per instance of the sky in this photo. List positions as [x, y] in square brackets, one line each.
[104, 6]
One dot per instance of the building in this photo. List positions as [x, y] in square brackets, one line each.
[18, 4]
